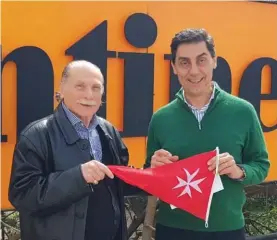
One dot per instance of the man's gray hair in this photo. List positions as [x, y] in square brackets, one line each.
[79, 63]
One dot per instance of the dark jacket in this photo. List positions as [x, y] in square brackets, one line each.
[47, 186]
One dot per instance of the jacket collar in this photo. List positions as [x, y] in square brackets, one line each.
[70, 134]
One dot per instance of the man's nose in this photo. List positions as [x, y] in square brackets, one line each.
[89, 93]
[194, 70]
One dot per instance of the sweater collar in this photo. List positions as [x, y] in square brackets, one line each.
[216, 91]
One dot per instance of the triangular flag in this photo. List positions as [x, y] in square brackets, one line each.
[186, 184]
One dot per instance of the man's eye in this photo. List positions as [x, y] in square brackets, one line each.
[96, 88]
[80, 86]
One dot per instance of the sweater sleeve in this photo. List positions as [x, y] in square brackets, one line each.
[255, 155]
[152, 143]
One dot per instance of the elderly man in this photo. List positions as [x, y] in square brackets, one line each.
[202, 117]
[60, 183]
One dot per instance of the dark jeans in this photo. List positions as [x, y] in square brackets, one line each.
[167, 233]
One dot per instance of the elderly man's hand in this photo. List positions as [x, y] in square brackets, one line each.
[95, 171]
[162, 157]
[227, 166]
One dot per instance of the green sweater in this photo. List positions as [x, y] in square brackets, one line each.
[231, 124]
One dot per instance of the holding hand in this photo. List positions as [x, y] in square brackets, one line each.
[95, 171]
[227, 166]
[162, 157]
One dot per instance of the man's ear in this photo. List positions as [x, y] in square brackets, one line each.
[215, 62]
[62, 88]
[58, 96]
[173, 67]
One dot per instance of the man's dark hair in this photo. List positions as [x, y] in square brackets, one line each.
[192, 35]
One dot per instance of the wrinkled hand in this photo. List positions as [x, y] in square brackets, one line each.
[227, 166]
[95, 171]
[162, 157]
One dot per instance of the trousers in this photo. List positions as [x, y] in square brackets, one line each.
[168, 233]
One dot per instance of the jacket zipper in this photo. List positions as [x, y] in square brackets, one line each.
[111, 146]
[116, 204]
[199, 125]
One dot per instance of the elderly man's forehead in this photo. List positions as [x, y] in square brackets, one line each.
[84, 67]
[82, 70]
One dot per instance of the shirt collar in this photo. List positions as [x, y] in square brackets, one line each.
[212, 97]
[77, 121]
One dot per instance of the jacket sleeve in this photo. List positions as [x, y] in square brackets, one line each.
[255, 155]
[31, 189]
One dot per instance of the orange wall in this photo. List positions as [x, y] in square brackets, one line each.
[243, 31]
